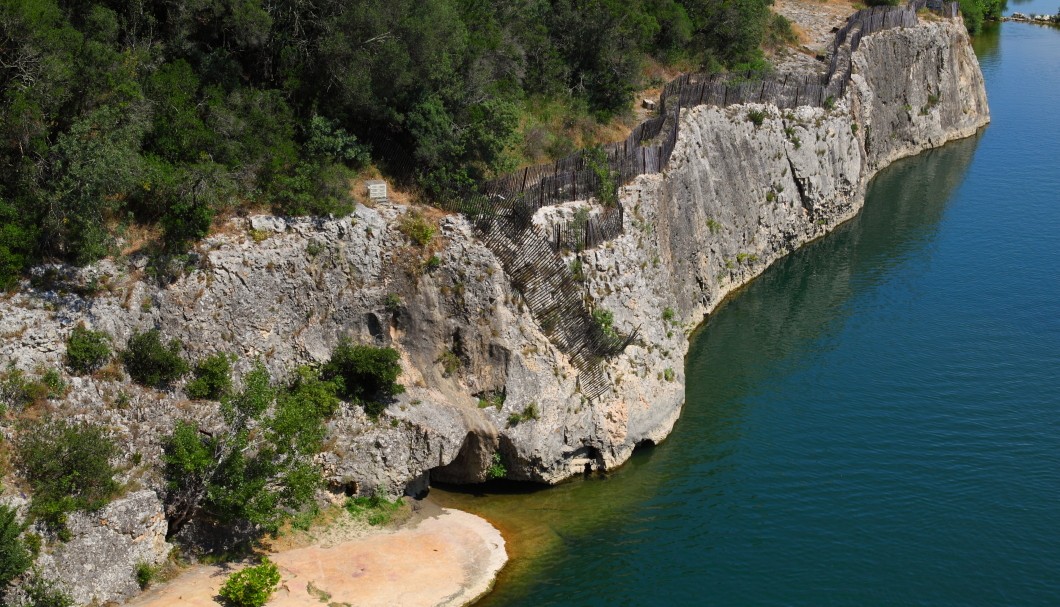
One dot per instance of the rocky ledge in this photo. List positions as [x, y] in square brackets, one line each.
[746, 184]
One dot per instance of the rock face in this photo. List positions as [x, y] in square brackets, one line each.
[98, 564]
[484, 385]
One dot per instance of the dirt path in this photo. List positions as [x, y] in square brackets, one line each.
[443, 557]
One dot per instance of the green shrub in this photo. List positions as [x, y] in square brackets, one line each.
[252, 586]
[16, 391]
[151, 363]
[67, 465]
[496, 469]
[606, 177]
[756, 116]
[15, 557]
[375, 509]
[366, 374]
[668, 314]
[668, 374]
[213, 378]
[432, 264]
[450, 363]
[87, 350]
[577, 270]
[605, 319]
[53, 381]
[416, 228]
[529, 413]
[145, 574]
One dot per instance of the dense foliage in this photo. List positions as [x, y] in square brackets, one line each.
[168, 113]
[976, 11]
[252, 586]
[15, 558]
[365, 374]
[213, 377]
[258, 467]
[87, 350]
[151, 362]
[68, 466]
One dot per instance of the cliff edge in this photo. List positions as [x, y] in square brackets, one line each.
[745, 185]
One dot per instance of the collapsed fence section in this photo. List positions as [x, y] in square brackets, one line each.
[583, 233]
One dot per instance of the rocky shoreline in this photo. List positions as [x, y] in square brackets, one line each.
[1039, 19]
[487, 393]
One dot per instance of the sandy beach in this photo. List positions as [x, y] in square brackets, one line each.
[439, 557]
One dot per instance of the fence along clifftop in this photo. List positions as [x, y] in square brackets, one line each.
[502, 208]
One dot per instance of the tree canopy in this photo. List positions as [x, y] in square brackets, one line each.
[168, 113]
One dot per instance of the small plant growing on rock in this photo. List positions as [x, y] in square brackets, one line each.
[213, 378]
[605, 319]
[668, 374]
[151, 363]
[756, 116]
[529, 413]
[450, 363]
[496, 469]
[252, 586]
[416, 228]
[432, 264]
[713, 226]
[668, 314]
[576, 270]
[829, 103]
[145, 574]
[392, 303]
[87, 350]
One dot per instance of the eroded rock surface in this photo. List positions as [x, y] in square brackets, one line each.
[735, 197]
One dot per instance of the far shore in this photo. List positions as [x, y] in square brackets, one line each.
[439, 556]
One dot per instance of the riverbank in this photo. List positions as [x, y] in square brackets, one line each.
[439, 557]
[1028, 18]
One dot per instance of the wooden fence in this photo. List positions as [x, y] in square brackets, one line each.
[502, 209]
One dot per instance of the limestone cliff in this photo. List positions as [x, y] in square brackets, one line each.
[738, 193]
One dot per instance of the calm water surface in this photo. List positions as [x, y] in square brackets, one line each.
[875, 421]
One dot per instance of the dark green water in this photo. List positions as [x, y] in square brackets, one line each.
[875, 421]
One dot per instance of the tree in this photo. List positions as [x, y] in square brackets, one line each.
[213, 377]
[259, 468]
[365, 374]
[152, 363]
[87, 350]
[68, 466]
[15, 558]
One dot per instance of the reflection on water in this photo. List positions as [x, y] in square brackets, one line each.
[555, 535]
[874, 421]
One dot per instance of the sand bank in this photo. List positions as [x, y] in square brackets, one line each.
[441, 557]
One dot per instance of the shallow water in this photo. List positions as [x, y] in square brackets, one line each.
[874, 421]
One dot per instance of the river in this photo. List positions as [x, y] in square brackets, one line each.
[874, 421]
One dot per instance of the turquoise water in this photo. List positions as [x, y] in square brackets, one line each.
[875, 421]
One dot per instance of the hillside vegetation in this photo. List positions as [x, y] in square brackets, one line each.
[120, 115]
